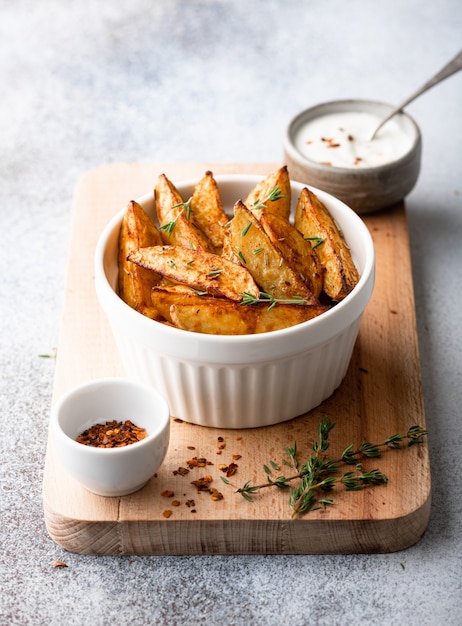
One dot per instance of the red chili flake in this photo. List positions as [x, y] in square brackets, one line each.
[351, 138]
[215, 494]
[112, 434]
[168, 493]
[203, 483]
[357, 160]
[182, 471]
[236, 457]
[176, 503]
[198, 462]
[232, 469]
[167, 513]
[191, 447]
[190, 503]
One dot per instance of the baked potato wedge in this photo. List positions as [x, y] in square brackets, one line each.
[315, 223]
[163, 297]
[273, 194]
[174, 216]
[223, 317]
[135, 282]
[207, 210]
[200, 270]
[265, 262]
[296, 251]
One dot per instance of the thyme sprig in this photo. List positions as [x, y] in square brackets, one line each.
[274, 194]
[249, 299]
[185, 207]
[319, 474]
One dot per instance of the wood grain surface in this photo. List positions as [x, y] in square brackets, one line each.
[381, 395]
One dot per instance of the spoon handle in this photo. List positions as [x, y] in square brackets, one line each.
[451, 68]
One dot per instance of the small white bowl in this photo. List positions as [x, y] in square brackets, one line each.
[364, 189]
[111, 471]
[241, 381]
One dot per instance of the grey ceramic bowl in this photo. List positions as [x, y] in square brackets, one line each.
[364, 189]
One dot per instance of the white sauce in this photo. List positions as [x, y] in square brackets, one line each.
[343, 140]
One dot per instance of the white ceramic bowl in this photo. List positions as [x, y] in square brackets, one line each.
[364, 189]
[111, 471]
[239, 381]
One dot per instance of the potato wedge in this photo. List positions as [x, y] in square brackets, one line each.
[264, 261]
[314, 221]
[163, 297]
[173, 214]
[273, 194]
[135, 283]
[207, 210]
[223, 317]
[198, 269]
[297, 252]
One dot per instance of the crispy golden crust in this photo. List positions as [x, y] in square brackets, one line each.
[314, 221]
[135, 283]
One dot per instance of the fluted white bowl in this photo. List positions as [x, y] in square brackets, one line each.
[241, 381]
[111, 471]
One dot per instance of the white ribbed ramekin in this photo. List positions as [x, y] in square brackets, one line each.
[239, 381]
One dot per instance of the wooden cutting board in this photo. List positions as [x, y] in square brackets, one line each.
[380, 396]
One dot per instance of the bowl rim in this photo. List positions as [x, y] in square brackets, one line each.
[310, 112]
[163, 416]
[256, 342]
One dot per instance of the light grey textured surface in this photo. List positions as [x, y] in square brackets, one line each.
[86, 83]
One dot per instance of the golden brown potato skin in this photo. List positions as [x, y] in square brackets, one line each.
[296, 251]
[313, 220]
[207, 210]
[135, 283]
[223, 317]
[260, 196]
[200, 270]
[171, 210]
[254, 248]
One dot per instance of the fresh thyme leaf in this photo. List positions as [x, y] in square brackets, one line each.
[274, 194]
[185, 207]
[317, 241]
[214, 273]
[248, 299]
[246, 229]
[320, 474]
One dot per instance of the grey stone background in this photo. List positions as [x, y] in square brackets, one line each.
[85, 83]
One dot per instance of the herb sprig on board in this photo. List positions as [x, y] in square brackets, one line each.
[319, 474]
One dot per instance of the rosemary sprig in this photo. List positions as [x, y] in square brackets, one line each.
[248, 299]
[184, 207]
[320, 474]
[274, 194]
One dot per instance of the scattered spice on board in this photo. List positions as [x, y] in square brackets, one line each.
[167, 513]
[112, 434]
[168, 493]
[198, 462]
[182, 471]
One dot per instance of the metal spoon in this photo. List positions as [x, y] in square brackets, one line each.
[451, 68]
